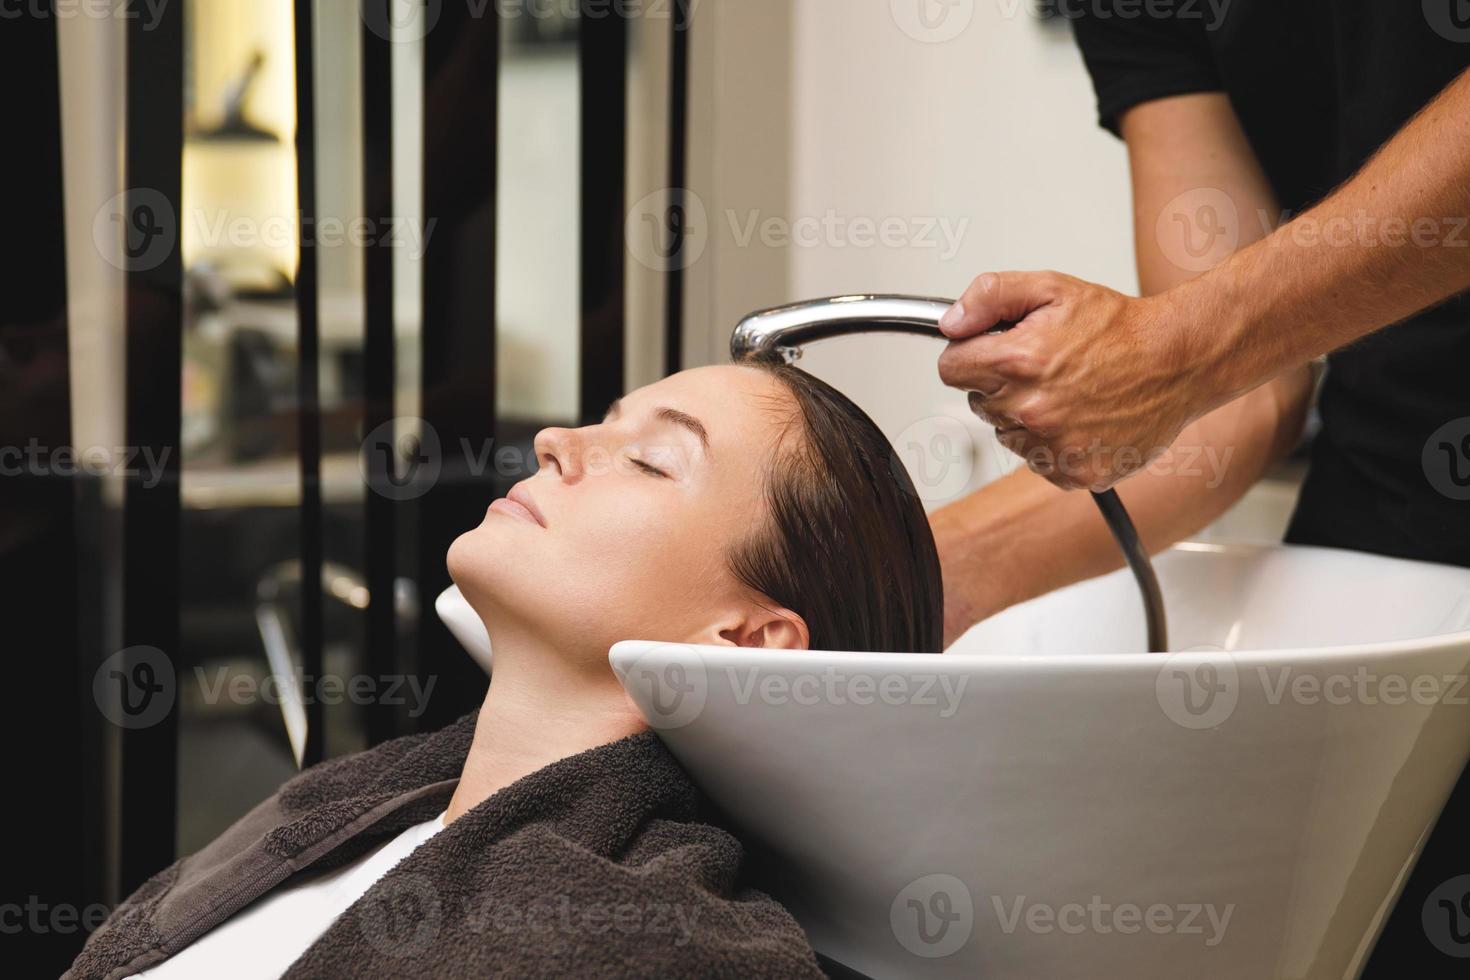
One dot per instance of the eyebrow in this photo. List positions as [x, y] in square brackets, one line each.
[672, 415]
[687, 421]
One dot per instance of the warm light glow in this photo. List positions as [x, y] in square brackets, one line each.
[240, 197]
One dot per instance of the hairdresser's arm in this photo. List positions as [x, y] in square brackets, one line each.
[1021, 536]
[1089, 365]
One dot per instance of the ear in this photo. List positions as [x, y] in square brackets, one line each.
[775, 628]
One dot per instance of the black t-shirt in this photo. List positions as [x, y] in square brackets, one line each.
[1319, 85]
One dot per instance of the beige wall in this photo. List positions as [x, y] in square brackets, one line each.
[741, 104]
[92, 55]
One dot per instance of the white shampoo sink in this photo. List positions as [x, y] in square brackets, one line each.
[1046, 801]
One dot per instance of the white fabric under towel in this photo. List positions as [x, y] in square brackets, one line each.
[264, 939]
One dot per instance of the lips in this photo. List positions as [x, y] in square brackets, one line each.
[518, 503]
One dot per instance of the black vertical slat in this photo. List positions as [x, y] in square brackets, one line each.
[308, 395]
[678, 184]
[51, 723]
[153, 177]
[461, 87]
[603, 54]
[380, 361]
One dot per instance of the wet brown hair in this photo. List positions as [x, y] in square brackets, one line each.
[847, 544]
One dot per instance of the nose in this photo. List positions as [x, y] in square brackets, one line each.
[560, 451]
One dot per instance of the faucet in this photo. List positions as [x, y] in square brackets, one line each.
[780, 333]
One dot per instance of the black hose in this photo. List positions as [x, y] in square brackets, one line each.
[1148, 583]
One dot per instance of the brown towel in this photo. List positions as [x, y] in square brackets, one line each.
[597, 866]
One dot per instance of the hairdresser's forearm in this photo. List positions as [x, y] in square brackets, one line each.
[1022, 537]
[1390, 242]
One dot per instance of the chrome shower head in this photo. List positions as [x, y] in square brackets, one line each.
[780, 333]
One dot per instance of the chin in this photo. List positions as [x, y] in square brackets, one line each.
[468, 560]
[490, 573]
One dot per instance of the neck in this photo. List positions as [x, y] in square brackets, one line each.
[539, 709]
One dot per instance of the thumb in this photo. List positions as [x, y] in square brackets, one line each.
[996, 298]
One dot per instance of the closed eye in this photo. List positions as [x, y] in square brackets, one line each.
[650, 469]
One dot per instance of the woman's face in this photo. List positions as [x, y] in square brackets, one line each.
[624, 530]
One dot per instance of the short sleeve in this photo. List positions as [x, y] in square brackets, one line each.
[1135, 56]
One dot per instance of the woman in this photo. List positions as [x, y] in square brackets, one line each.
[551, 834]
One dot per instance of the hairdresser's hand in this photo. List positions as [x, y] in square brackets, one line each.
[1089, 386]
